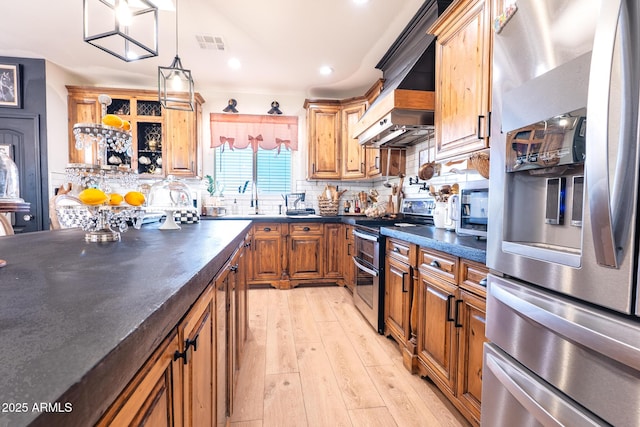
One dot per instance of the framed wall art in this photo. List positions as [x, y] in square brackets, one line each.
[10, 86]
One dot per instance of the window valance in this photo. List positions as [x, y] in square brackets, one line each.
[239, 131]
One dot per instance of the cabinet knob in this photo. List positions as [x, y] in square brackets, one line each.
[396, 249]
[181, 355]
[28, 217]
[234, 268]
[267, 229]
[191, 343]
[306, 229]
[435, 264]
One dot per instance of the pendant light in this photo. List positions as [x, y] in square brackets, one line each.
[175, 84]
[126, 31]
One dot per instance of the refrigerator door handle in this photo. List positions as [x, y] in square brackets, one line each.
[528, 394]
[608, 337]
[601, 205]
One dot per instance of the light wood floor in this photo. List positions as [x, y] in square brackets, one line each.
[312, 360]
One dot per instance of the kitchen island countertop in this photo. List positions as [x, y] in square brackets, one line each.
[77, 319]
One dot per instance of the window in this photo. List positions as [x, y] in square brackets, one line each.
[234, 170]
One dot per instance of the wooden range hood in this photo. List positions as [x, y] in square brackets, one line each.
[403, 113]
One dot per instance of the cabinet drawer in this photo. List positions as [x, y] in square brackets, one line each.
[439, 264]
[473, 277]
[401, 251]
[267, 228]
[305, 228]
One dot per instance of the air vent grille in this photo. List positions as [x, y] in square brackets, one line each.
[207, 41]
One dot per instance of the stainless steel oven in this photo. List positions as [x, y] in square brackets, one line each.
[369, 280]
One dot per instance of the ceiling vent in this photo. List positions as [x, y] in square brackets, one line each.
[209, 42]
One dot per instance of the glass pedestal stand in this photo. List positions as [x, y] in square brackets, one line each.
[98, 228]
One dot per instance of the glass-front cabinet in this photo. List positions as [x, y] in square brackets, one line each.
[155, 140]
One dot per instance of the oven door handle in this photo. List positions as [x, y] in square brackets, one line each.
[363, 267]
[365, 236]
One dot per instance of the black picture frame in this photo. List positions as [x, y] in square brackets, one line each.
[10, 86]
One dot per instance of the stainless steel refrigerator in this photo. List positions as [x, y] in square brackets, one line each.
[563, 310]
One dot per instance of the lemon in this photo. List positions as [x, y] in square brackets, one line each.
[134, 198]
[92, 196]
[115, 199]
[112, 120]
[126, 125]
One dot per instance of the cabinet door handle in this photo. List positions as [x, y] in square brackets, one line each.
[480, 117]
[306, 229]
[234, 268]
[377, 162]
[248, 244]
[361, 166]
[191, 343]
[449, 299]
[349, 249]
[266, 229]
[181, 355]
[483, 282]
[457, 323]
[435, 264]
[404, 274]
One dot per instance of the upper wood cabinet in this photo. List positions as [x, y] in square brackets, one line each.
[164, 141]
[463, 77]
[353, 154]
[323, 121]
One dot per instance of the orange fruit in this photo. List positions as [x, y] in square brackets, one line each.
[134, 198]
[112, 120]
[126, 125]
[115, 199]
[92, 196]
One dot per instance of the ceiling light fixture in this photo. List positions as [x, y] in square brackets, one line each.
[125, 29]
[175, 84]
[326, 70]
[234, 63]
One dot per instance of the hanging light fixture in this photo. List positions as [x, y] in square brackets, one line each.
[175, 84]
[127, 29]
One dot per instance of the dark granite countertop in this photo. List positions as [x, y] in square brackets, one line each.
[467, 247]
[78, 319]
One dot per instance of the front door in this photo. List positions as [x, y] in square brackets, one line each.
[20, 136]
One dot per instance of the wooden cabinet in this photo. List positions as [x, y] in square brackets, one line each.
[463, 77]
[196, 358]
[190, 379]
[451, 327]
[333, 253]
[267, 251]
[353, 154]
[323, 121]
[306, 255]
[151, 398]
[348, 267]
[400, 264]
[285, 255]
[163, 141]
[377, 162]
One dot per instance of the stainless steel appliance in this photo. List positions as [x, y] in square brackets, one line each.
[369, 280]
[369, 247]
[470, 208]
[563, 305]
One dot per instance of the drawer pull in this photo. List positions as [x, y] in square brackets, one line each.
[483, 282]
[435, 264]
[267, 229]
[306, 229]
[396, 249]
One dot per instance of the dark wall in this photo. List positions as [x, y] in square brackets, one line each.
[33, 93]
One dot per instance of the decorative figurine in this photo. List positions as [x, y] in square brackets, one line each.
[231, 107]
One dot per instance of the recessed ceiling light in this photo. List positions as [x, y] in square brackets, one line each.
[360, 1]
[234, 63]
[326, 70]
